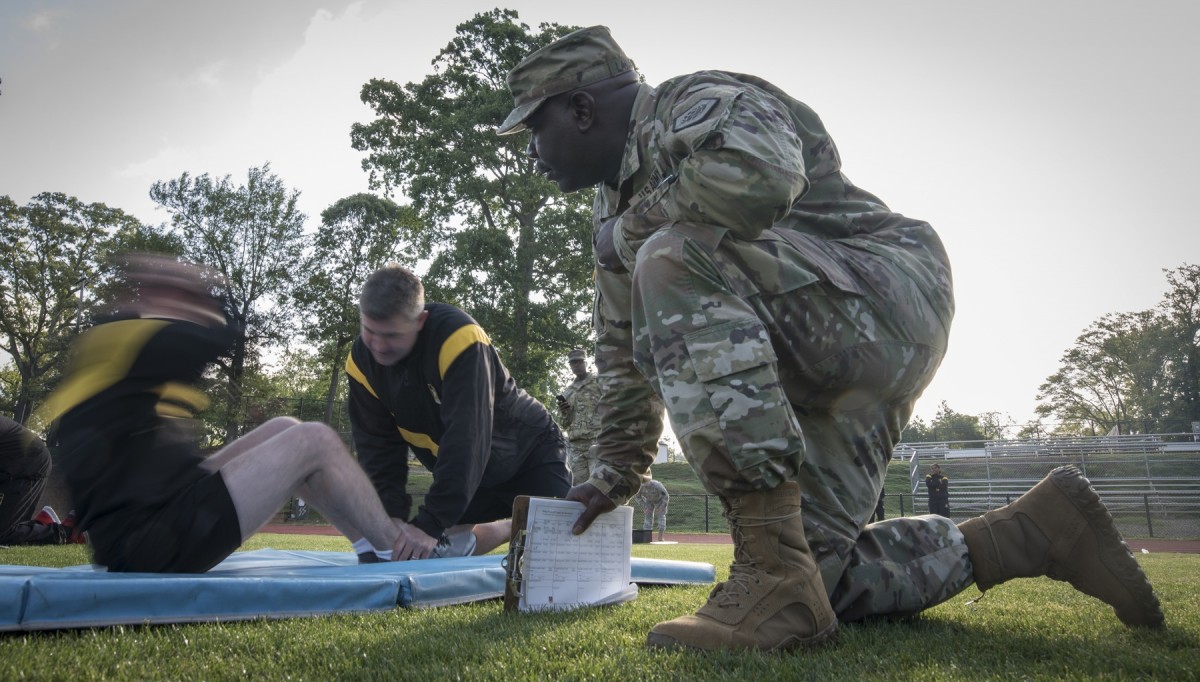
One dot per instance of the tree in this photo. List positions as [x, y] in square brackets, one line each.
[503, 244]
[50, 250]
[1091, 382]
[1181, 306]
[1133, 371]
[358, 235]
[251, 234]
[10, 385]
[953, 427]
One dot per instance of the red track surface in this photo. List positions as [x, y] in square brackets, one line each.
[1137, 545]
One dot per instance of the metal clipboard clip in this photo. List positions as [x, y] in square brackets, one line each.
[513, 564]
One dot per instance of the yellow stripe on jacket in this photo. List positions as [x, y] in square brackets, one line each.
[420, 440]
[104, 355]
[463, 338]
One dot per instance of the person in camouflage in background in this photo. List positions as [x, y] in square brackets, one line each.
[579, 417]
[789, 321]
[654, 499]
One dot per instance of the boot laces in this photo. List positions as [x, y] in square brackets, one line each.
[743, 575]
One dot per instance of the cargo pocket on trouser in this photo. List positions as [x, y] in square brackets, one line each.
[753, 423]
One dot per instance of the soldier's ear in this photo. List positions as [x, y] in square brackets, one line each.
[583, 109]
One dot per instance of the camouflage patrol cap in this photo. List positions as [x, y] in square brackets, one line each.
[577, 59]
[576, 354]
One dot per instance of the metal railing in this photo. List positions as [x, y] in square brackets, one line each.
[1149, 482]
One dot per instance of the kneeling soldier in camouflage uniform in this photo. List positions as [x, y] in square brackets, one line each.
[789, 321]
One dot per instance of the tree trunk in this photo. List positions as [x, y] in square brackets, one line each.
[334, 373]
[237, 369]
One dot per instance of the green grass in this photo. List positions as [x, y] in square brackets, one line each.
[1026, 629]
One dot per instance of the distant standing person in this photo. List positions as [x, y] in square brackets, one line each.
[653, 498]
[939, 491]
[579, 416]
[878, 515]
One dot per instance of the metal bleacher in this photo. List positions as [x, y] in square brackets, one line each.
[1152, 481]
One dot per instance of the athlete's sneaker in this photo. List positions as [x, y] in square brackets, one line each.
[369, 558]
[46, 516]
[76, 537]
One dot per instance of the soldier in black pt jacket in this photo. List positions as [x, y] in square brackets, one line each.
[939, 491]
[150, 501]
[425, 378]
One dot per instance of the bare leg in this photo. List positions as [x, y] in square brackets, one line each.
[254, 438]
[310, 457]
[489, 536]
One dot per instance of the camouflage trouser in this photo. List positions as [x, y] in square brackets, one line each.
[655, 515]
[793, 357]
[580, 460]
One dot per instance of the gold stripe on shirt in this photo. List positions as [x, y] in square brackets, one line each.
[420, 440]
[463, 338]
[107, 352]
[357, 374]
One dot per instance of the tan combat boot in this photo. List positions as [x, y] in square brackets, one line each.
[1062, 530]
[774, 598]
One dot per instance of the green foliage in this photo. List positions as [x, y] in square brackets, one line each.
[252, 234]
[953, 427]
[1024, 629]
[51, 249]
[358, 234]
[1181, 306]
[501, 243]
[10, 384]
[1133, 372]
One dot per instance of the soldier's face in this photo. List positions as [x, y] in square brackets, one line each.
[563, 146]
[390, 340]
[579, 367]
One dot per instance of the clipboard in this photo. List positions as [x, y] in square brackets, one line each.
[549, 568]
[513, 582]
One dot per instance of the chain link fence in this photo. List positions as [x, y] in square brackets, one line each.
[1150, 483]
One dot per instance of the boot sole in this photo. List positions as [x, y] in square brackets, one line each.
[1114, 553]
[656, 640]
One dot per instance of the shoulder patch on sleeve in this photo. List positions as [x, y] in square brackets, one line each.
[695, 114]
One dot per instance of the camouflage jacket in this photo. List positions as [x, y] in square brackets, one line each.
[734, 152]
[651, 494]
[582, 421]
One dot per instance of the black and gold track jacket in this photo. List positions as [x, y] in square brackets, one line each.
[127, 377]
[453, 402]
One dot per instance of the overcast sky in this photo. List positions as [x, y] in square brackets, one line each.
[1052, 143]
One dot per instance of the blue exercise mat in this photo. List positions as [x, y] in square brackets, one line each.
[268, 583]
